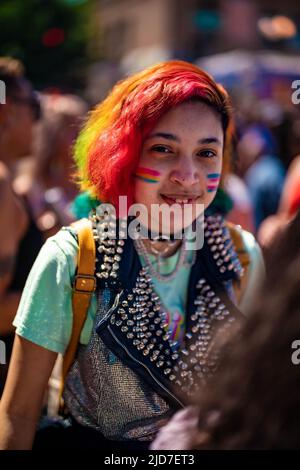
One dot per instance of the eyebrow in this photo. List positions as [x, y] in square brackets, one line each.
[174, 138]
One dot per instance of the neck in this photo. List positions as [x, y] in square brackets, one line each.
[159, 236]
[164, 248]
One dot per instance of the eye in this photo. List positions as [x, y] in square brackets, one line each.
[161, 149]
[207, 153]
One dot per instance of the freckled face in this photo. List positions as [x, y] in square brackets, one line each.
[181, 160]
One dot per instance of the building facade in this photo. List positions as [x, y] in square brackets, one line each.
[185, 28]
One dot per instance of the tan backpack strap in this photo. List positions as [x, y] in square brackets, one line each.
[243, 255]
[83, 287]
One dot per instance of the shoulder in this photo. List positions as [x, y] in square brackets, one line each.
[59, 252]
[246, 246]
[65, 240]
[44, 314]
[251, 259]
[252, 247]
[249, 240]
[65, 243]
[242, 239]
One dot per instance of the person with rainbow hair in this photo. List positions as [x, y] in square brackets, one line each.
[161, 138]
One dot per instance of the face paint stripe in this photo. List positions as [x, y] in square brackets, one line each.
[147, 180]
[147, 171]
[144, 175]
[214, 180]
[214, 175]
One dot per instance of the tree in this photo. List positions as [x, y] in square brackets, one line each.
[50, 37]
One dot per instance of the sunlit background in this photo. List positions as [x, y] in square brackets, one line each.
[76, 44]
[84, 46]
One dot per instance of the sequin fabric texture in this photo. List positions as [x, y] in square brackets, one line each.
[108, 396]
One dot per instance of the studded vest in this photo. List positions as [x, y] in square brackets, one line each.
[130, 378]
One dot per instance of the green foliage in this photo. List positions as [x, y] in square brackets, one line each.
[23, 24]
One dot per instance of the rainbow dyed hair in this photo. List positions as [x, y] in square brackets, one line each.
[108, 148]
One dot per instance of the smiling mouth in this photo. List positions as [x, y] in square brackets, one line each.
[179, 199]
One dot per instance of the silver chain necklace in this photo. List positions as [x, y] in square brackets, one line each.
[141, 249]
[160, 254]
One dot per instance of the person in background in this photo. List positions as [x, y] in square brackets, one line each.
[289, 205]
[261, 169]
[254, 401]
[20, 240]
[242, 210]
[47, 177]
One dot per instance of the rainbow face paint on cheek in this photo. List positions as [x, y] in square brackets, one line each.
[147, 174]
[213, 182]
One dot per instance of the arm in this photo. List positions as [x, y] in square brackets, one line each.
[14, 220]
[44, 324]
[180, 432]
[9, 304]
[20, 406]
[9, 300]
[13, 225]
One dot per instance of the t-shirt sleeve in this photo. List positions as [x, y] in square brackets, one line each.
[256, 271]
[44, 315]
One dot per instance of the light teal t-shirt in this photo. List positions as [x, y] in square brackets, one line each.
[45, 313]
[173, 291]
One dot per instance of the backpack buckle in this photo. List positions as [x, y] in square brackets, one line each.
[84, 283]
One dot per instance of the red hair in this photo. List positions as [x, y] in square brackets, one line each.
[108, 149]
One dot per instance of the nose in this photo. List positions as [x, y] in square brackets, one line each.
[186, 174]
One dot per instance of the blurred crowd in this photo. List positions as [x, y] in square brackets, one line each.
[38, 186]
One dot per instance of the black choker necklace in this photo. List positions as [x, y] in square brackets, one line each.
[160, 237]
